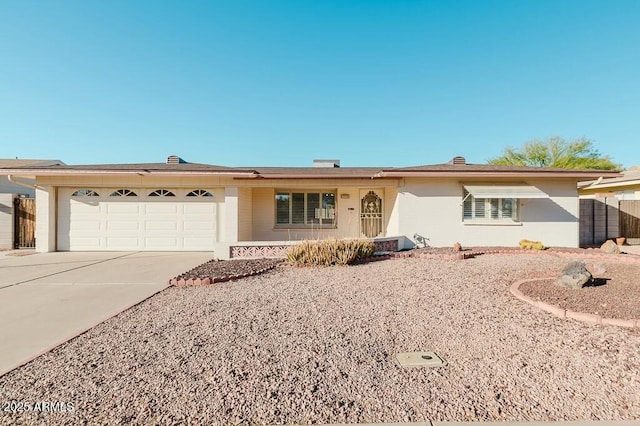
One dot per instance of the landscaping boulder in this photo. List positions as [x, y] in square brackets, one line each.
[574, 275]
[596, 268]
[610, 247]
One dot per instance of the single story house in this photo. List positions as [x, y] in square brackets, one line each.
[253, 211]
[10, 192]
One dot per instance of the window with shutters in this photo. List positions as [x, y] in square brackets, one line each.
[489, 209]
[305, 209]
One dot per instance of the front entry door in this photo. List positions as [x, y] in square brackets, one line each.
[371, 217]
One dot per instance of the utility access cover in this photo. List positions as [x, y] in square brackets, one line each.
[419, 359]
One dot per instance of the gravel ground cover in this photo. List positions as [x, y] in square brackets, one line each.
[615, 293]
[225, 268]
[548, 250]
[317, 345]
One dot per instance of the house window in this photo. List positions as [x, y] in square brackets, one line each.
[85, 193]
[123, 193]
[489, 209]
[162, 193]
[199, 193]
[305, 208]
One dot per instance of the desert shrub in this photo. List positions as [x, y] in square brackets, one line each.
[330, 252]
[531, 245]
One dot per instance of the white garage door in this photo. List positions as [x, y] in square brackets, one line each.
[136, 219]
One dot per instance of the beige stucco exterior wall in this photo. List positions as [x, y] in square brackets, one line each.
[433, 209]
[46, 218]
[245, 214]
[429, 207]
[229, 220]
[6, 220]
[246, 207]
[391, 212]
[347, 212]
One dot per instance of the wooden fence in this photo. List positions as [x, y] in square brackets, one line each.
[25, 223]
[598, 220]
[630, 219]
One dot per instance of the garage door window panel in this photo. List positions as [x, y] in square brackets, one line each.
[85, 192]
[123, 193]
[162, 193]
[199, 193]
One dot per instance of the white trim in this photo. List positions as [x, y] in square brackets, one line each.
[505, 191]
[497, 222]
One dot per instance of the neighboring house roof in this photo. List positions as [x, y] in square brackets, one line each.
[453, 168]
[19, 162]
[629, 178]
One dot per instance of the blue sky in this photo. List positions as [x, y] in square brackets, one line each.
[372, 83]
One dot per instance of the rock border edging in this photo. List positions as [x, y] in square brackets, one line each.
[225, 278]
[220, 279]
[471, 254]
[566, 313]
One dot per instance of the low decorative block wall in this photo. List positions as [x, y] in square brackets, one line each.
[278, 251]
[386, 245]
[252, 252]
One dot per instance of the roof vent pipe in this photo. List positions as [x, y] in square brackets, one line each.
[174, 159]
[458, 161]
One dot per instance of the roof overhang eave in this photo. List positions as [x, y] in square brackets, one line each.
[45, 172]
[482, 174]
[306, 176]
[611, 184]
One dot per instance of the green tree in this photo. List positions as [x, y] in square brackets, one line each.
[556, 152]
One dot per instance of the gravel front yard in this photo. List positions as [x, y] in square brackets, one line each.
[317, 345]
[615, 294]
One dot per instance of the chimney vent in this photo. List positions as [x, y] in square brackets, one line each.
[174, 159]
[326, 163]
[458, 161]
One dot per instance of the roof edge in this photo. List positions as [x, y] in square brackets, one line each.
[569, 173]
[53, 172]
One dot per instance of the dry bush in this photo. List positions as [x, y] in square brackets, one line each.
[330, 252]
[531, 245]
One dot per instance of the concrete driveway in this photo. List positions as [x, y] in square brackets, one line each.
[49, 298]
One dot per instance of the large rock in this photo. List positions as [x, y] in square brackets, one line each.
[597, 269]
[574, 275]
[610, 247]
